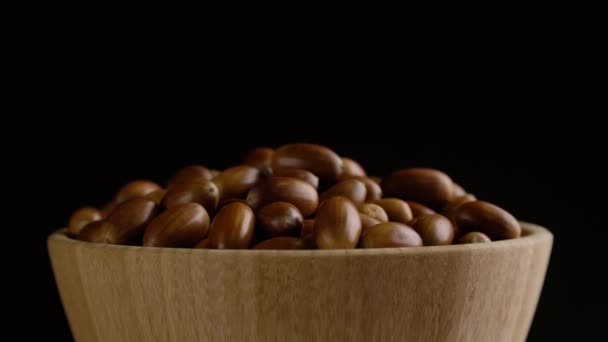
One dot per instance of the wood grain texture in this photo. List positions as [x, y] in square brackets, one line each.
[475, 292]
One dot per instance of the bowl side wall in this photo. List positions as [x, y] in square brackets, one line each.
[467, 293]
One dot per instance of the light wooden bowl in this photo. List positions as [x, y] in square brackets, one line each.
[476, 292]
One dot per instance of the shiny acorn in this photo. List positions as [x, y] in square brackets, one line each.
[131, 219]
[81, 218]
[367, 221]
[138, 188]
[304, 175]
[182, 225]
[448, 209]
[157, 195]
[203, 192]
[280, 219]
[373, 210]
[373, 189]
[320, 160]
[351, 188]
[473, 237]
[397, 210]
[337, 224]
[214, 173]
[458, 191]
[390, 234]
[284, 189]
[352, 168]
[232, 227]
[487, 218]
[426, 186]
[419, 209]
[236, 181]
[99, 232]
[191, 174]
[259, 158]
[434, 229]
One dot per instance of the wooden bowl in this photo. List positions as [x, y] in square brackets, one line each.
[475, 292]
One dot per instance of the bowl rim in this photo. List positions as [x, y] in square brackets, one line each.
[531, 234]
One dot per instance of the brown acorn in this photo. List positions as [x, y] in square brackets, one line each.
[337, 224]
[182, 225]
[430, 187]
[317, 159]
[284, 189]
[232, 227]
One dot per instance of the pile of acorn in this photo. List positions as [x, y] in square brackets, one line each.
[298, 196]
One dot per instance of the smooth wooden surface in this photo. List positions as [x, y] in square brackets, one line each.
[476, 292]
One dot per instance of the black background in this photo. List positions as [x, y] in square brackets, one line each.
[505, 107]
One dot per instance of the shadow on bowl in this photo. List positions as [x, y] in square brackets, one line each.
[474, 292]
